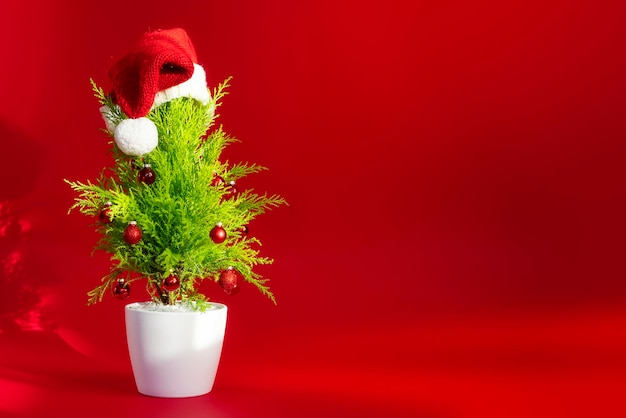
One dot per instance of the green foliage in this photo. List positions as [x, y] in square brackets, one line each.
[177, 212]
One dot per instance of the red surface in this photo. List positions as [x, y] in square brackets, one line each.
[454, 241]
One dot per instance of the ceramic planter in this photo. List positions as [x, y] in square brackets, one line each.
[174, 354]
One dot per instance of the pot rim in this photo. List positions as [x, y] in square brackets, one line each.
[142, 307]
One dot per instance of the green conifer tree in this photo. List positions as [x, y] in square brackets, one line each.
[174, 216]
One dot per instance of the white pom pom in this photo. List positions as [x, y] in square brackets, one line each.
[136, 137]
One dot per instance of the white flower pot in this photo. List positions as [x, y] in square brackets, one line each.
[174, 354]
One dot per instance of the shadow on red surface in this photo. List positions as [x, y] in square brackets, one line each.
[555, 366]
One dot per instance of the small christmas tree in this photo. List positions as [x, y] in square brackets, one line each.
[169, 211]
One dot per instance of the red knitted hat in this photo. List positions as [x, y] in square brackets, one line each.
[160, 67]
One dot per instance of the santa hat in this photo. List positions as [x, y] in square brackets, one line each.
[162, 66]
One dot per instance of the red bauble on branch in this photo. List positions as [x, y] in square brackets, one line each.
[217, 180]
[121, 290]
[171, 283]
[218, 233]
[105, 213]
[229, 281]
[132, 233]
[146, 174]
[231, 192]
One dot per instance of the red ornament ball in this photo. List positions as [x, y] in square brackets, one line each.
[232, 190]
[218, 233]
[121, 290]
[244, 230]
[105, 213]
[171, 283]
[229, 281]
[146, 174]
[132, 233]
[217, 180]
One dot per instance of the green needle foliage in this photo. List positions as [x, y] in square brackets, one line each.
[177, 212]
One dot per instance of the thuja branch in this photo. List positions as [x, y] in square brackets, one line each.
[176, 213]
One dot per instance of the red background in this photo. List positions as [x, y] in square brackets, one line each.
[454, 241]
